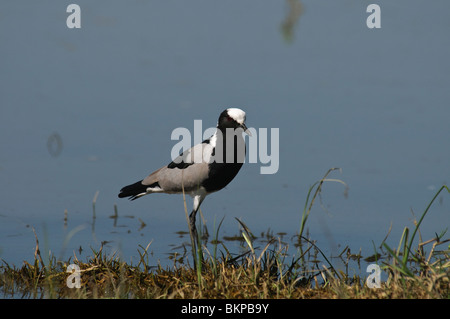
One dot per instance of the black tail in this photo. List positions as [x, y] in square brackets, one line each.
[133, 190]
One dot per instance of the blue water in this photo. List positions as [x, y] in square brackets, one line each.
[92, 109]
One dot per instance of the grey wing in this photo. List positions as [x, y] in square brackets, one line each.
[189, 170]
[172, 180]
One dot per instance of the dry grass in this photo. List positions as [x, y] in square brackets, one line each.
[264, 275]
[265, 272]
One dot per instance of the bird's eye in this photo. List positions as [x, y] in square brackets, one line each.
[229, 119]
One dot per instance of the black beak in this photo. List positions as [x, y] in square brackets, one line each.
[246, 130]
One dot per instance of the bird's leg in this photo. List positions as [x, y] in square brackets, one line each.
[193, 229]
[198, 199]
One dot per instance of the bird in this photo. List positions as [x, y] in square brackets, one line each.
[201, 170]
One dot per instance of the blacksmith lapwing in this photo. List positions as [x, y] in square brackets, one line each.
[203, 169]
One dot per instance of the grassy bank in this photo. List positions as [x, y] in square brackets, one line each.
[264, 275]
[415, 268]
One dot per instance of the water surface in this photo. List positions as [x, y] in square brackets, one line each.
[92, 109]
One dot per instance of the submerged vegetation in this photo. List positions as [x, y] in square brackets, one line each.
[416, 268]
